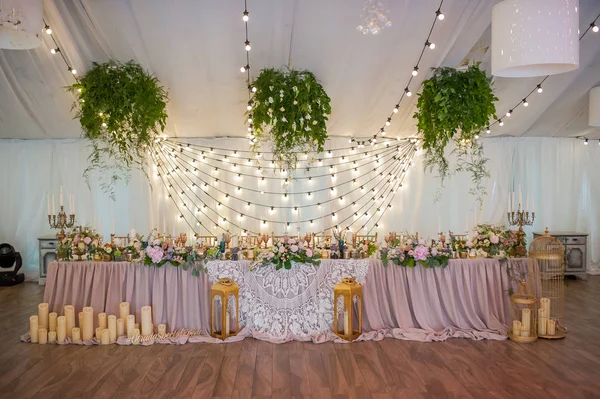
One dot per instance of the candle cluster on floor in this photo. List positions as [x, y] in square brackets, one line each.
[48, 327]
[545, 327]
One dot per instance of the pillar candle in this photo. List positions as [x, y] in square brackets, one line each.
[120, 327]
[99, 333]
[87, 331]
[551, 328]
[105, 336]
[51, 337]
[43, 315]
[227, 326]
[162, 329]
[130, 325]
[112, 328]
[61, 329]
[146, 320]
[42, 336]
[542, 321]
[80, 314]
[102, 320]
[545, 304]
[76, 334]
[516, 328]
[52, 321]
[346, 324]
[69, 311]
[124, 312]
[525, 333]
[526, 319]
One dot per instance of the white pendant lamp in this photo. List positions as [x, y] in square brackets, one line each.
[594, 111]
[535, 37]
[21, 24]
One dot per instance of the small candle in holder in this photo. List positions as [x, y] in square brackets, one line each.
[42, 336]
[551, 328]
[33, 329]
[52, 337]
[542, 321]
[76, 334]
[52, 321]
[526, 320]
[516, 331]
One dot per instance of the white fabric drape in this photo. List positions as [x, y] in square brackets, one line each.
[562, 174]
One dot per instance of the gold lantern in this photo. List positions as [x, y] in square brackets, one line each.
[224, 289]
[524, 315]
[348, 289]
[549, 253]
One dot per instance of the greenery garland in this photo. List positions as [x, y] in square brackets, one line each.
[121, 109]
[290, 110]
[454, 106]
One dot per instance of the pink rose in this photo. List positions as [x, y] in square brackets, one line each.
[76, 240]
[309, 252]
[156, 242]
[87, 240]
[292, 241]
[411, 252]
[300, 245]
[434, 251]
[469, 244]
[294, 248]
[137, 245]
[494, 239]
[271, 255]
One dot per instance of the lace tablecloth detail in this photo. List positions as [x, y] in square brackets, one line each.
[282, 302]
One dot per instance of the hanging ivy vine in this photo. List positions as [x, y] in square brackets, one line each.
[290, 112]
[121, 109]
[453, 107]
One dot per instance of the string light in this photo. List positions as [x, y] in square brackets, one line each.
[245, 68]
[525, 103]
[54, 50]
[47, 30]
[594, 27]
[509, 113]
[415, 71]
[430, 44]
[539, 88]
[408, 92]
[245, 16]
[247, 47]
[440, 15]
[586, 142]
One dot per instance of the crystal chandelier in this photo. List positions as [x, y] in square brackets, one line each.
[374, 18]
[20, 24]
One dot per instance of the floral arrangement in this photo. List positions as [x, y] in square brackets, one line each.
[367, 247]
[81, 242]
[416, 251]
[290, 110]
[286, 251]
[461, 244]
[490, 239]
[160, 252]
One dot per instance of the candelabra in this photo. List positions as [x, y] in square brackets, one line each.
[520, 218]
[62, 222]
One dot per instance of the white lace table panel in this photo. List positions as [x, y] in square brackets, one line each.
[283, 302]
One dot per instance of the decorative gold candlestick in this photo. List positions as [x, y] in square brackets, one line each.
[62, 222]
[520, 218]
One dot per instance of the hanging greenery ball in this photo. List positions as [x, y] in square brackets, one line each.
[289, 111]
[122, 110]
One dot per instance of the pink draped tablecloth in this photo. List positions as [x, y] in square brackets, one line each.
[469, 298]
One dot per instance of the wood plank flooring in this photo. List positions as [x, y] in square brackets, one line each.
[457, 368]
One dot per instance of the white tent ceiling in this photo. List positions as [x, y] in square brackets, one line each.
[196, 48]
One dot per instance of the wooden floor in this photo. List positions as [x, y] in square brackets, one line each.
[568, 368]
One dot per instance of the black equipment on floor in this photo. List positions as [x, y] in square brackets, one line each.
[9, 258]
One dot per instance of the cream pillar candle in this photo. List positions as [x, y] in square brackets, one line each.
[87, 332]
[33, 329]
[99, 333]
[526, 319]
[76, 334]
[120, 327]
[346, 325]
[545, 304]
[516, 331]
[162, 329]
[52, 337]
[124, 312]
[112, 327]
[102, 320]
[105, 336]
[52, 321]
[69, 311]
[80, 315]
[42, 336]
[227, 326]
[146, 320]
[130, 325]
[43, 315]
[61, 329]
[542, 321]
[551, 329]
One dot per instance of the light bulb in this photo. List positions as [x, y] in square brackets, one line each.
[249, 107]
[415, 71]
[525, 103]
[408, 92]
[488, 131]
[73, 71]
[476, 136]
[539, 88]
[382, 132]
[509, 113]
[54, 50]
[245, 16]
[430, 45]
[254, 89]
[388, 122]
[586, 142]
[244, 68]
[247, 46]
[500, 122]
[250, 119]
[103, 124]
[440, 15]
[396, 108]
[595, 28]
[48, 30]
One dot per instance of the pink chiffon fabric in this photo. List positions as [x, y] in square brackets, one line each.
[467, 299]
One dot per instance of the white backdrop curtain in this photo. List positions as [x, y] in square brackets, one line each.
[562, 174]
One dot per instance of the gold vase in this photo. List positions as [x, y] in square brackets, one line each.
[463, 255]
[97, 258]
[107, 258]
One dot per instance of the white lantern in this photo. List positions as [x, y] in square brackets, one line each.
[594, 118]
[535, 37]
[21, 24]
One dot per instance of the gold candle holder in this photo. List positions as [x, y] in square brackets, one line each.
[61, 221]
[520, 218]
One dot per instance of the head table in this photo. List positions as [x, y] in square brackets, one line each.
[468, 298]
